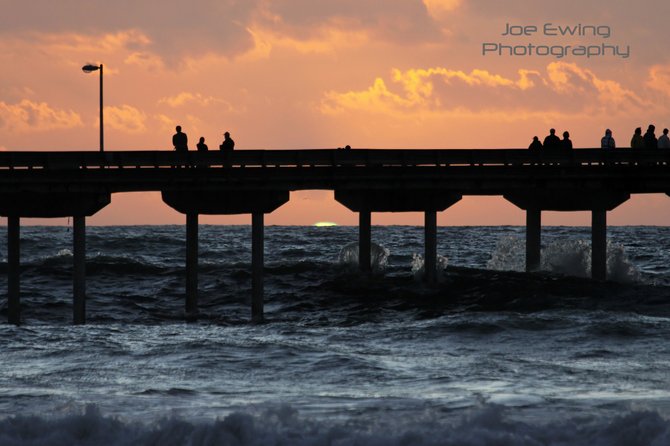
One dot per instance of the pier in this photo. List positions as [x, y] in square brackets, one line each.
[256, 182]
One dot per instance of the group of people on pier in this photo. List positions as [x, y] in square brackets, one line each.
[554, 144]
[180, 142]
[648, 141]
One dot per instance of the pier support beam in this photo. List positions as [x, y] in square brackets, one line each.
[228, 202]
[257, 260]
[13, 267]
[533, 238]
[403, 199]
[191, 308]
[598, 201]
[430, 258]
[365, 241]
[79, 270]
[599, 244]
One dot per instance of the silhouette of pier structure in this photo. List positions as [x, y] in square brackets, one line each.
[256, 182]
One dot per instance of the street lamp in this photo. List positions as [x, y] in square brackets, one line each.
[88, 68]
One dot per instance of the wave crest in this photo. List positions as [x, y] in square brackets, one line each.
[489, 424]
[566, 257]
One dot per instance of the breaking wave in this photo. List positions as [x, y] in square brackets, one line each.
[489, 424]
[378, 256]
[565, 257]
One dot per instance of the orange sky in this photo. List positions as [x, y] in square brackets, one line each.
[312, 74]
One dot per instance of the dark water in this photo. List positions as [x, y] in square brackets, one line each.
[489, 356]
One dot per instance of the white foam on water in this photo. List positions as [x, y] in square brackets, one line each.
[418, 270]
[378, 256]
[64, 253]
[486, 425]
[567, 257]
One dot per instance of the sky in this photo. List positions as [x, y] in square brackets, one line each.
[300, 74]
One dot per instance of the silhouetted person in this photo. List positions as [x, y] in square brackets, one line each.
[663, 140]
[228, 144]
[202, 147]
[552, 143]
[536, 145]
[565, 142]
[607, 142]
[637, 141]
[650, 141]
[180, 140]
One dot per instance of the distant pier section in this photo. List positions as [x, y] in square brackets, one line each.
[256, 182]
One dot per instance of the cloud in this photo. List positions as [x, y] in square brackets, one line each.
[659, 78]
[95, 43]
[126, 119]
[185, 97]
[168, 35]
[418, 89]
[326, 39]
[569, 78]
[562, 88]
[198, 100]
[403, 22]
[146, 60]
[173, 30]
[439, 9]
[30, 116]
[73, 49]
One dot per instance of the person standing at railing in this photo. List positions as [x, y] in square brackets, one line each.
[566, 144]
[228, 145]
[650, 141]
[180, 140]
[202, 147]
[607, 142]
[637, 141]
[663, 140]
[552, 143]
[536, 145]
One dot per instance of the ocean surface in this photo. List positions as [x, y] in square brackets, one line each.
[490, 356]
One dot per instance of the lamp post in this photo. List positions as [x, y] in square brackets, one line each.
[89, 69]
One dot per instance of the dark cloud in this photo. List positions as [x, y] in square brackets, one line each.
[397, 21]
[176, 27]
[624, 12]
[179, 27]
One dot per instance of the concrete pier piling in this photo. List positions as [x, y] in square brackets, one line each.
[79, 270]
[398, 199]
[193, 202]
[533, 238]
[598, 200]
[257, 266]
[365, 241]
[13, 270]
[430, 258]
[599, 244]
[191, 304]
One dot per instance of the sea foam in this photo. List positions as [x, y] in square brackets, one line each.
[378, 256]
[566, 257]
[489, 424]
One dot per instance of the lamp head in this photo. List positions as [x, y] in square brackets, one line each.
[89, 68]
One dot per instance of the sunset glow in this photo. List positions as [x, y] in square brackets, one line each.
[323, 74]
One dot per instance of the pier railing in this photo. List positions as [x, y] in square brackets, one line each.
[328, 158]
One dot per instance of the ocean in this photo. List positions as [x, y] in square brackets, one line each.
[490, 356]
